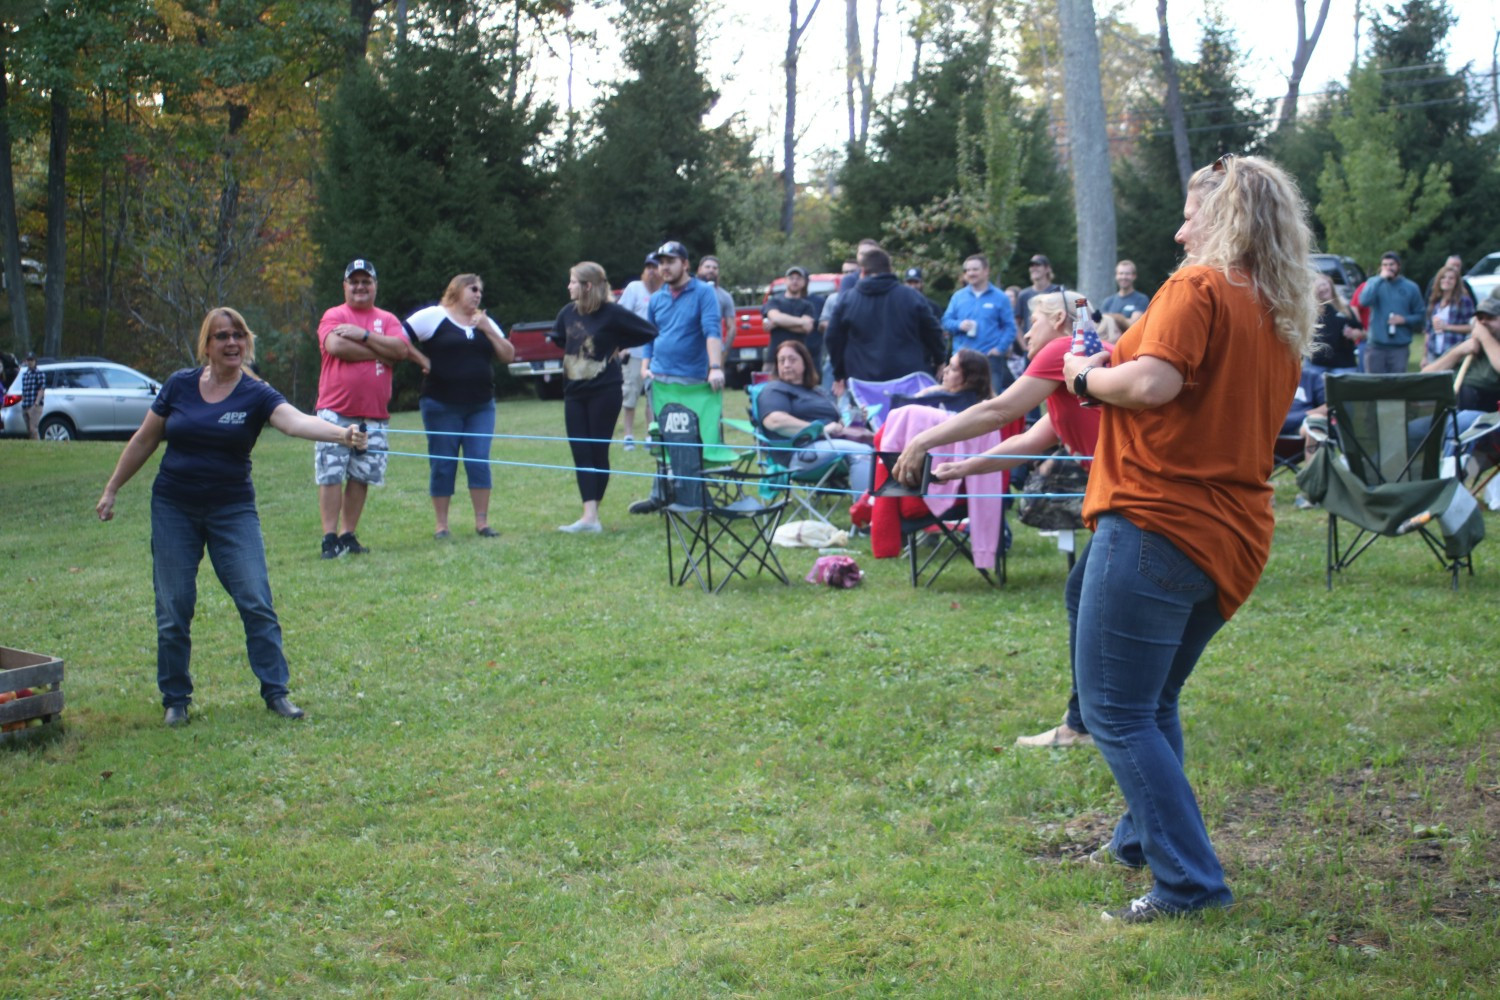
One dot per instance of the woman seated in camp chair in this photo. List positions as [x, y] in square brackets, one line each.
[965, 383]
[793, 407]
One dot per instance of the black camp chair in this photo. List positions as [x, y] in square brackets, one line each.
[714, 516]
[1373, 474]
[932, 541]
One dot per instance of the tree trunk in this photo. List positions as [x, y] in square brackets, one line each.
[1093, 192]
[1305, 45]
[867, 81]
[362, 13]
[57, 226]
[789, 136]
[854, 67]
[857, 81]
[1174, 101]
[15, 284]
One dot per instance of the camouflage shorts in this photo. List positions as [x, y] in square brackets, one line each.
[334, 463]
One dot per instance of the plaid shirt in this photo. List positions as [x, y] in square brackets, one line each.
[32, 384]
[1459, 313]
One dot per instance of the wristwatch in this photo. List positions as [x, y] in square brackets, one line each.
[1081, 382]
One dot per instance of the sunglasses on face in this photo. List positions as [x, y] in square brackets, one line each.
[223, 335]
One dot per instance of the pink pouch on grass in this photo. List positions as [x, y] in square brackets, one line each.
[836, 571]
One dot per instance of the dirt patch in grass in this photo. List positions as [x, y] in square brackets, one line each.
[1414, 840]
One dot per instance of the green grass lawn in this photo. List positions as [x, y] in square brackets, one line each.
[531, 767]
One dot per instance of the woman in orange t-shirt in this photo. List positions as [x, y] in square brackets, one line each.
[1179, 501]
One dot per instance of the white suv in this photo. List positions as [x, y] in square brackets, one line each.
[85, 396]
[1484, 277]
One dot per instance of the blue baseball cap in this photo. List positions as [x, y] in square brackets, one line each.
[360, 264]
[672, 248]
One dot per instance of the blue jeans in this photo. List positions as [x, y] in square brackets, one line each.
[1145, 613]
[231, 533]
[1072, 593]
[451, 428]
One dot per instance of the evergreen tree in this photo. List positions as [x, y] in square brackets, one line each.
[1369, 204]
[1219, 120]
[1434, 121]
[653, 171]
[430, 171]
[911, 160]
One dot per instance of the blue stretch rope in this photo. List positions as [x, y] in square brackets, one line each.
[699, 479]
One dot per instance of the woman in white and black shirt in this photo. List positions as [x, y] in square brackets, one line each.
[458, 395]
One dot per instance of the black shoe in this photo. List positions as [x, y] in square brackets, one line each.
[177, 715]
[283, 707]
[333, 547]
[1140, 911]
[350, 544]
[650, 505]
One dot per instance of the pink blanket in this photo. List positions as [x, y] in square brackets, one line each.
[984, 492]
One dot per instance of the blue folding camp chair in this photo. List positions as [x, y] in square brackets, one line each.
[874, 398]
[818, 492]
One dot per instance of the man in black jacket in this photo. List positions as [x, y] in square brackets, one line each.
[882, 329]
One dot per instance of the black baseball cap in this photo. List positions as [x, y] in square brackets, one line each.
[360, 264]
[913, 274]
[672, 248]
[1039, 259]
[652, 260]
[796, 269]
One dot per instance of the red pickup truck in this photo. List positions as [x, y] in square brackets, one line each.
[538, 358]
[748, 352]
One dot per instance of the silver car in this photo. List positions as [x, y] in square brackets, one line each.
[1484, 277]
[85, 397]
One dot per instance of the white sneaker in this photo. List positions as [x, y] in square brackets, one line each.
[629, 443]
[582, 528]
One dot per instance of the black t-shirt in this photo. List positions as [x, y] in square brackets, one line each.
[591, 341]
[1331, 349]
[461, 358]
[804, 404]
[207, 460]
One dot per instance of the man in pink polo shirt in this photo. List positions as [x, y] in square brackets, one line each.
[359, 344]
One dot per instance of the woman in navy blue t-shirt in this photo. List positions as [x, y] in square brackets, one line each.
[458, 396]
[210, 418]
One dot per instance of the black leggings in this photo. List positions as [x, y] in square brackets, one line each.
[590, 420]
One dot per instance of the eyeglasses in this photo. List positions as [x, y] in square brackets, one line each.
[222, 335]
[1222, 163]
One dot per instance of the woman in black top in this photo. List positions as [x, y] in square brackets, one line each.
[458, 395]
[592, 331]
[792, 401]
[1338, 332]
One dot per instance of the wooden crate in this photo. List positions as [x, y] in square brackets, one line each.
[43, 674]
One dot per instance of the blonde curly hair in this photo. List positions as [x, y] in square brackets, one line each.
[1252, 226]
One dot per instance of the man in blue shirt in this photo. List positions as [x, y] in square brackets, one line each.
[1127, 304]
[685, 363]
[979, 317]
[1396, 313]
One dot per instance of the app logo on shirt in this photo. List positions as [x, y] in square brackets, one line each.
[235, 417]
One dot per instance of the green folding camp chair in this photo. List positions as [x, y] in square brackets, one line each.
[1373, 474]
